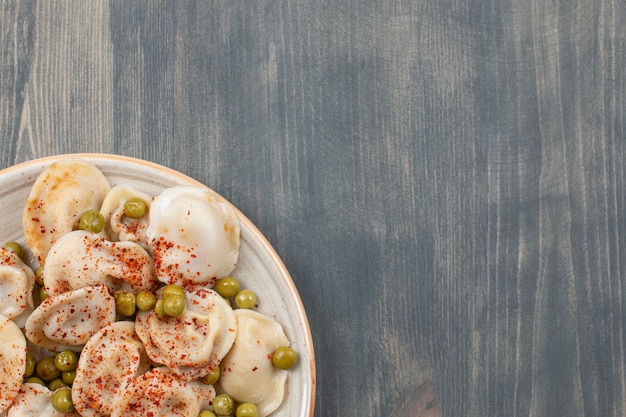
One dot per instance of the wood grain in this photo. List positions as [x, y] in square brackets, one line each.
[443, 179]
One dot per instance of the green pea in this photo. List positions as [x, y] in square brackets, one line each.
[47, 370]
[212, 377]
[227, 287]
[135, 208]
[172, 289]
[39, 275]
[245, 299]
[158, 309]
[223, 405]
[91, 221]
[43, 294]
[126, 304]
[174, 305]
[145, 300]
[284, 357]
[34, 380]
[68, 376]
[55, 384]
[31, 362]
[206, 413]
[61, 400]
[66, 360]
[247, 410]
[14, 247]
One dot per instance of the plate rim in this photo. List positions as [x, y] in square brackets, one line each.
[267, 246]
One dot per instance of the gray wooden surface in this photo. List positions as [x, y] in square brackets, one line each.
[445, 180]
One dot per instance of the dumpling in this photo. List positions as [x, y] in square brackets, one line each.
[193, 343]
[159, 393]
[80, 258]
[59, 196]
[16, 285]
[68, 320]
[108, 364]
[117, 225]
[194, 237]
[13, 361]
[247, 372]
[34, 400]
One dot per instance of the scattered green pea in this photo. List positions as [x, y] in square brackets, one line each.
[47, 370]
[174, 305]
[227, 287]
[135, 208]
[223, 405]
[61, 400]
[284, 357]
[39, 275]
[68, 376]
[14, 247]
[212, 377]
[66, 360]
[206, 413]
[34, 380]
[247, 410]
[158, 309]
[56, 384]
[31, 362]
[172, 289]
[245, 299]
[145, 300]
[43, 294]
[91, 221]
[126, 304]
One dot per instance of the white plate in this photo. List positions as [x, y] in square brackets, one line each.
[259, 267]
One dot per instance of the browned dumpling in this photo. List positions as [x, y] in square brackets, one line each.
[60, 195]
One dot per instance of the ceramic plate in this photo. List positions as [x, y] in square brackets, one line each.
[259, 267]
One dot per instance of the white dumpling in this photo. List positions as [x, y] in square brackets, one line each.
[160, 393]
[195, 342]
[80, 259]
[117, 225]
[108, 364]
[12, 360]
[68, 320]
[34, 400]
[16, 285]
[194, 237]
[247, 372]
[59, 196]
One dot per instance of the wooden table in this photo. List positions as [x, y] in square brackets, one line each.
[445, 180]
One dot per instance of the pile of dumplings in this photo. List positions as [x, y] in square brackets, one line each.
[147, 365]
